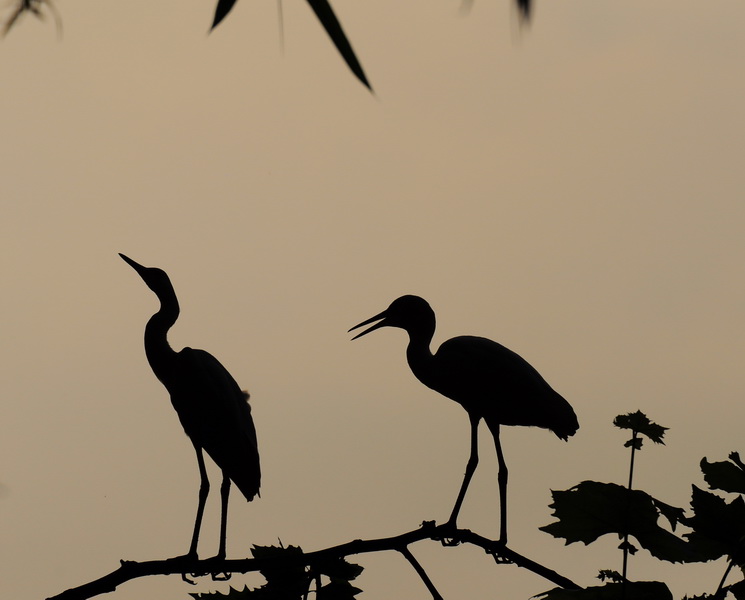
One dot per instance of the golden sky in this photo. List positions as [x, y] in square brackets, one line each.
[573, 190]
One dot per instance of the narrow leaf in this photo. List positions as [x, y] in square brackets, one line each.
[524, 6]
[221, 11]
[331, 24]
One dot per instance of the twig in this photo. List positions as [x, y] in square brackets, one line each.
[131, 570]
[421, 572]
[718, 593]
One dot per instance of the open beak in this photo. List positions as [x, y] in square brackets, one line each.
[382, 322]
[136, 266]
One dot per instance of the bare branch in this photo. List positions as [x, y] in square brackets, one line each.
[421, 572]
[445, 534]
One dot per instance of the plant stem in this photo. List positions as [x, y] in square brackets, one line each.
[718, 593]
[631, 466]
[626, 532]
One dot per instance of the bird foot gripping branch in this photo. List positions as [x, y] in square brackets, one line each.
[451, 535]
[500, 558]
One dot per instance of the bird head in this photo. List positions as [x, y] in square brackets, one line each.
[410, 313]
[156, 279]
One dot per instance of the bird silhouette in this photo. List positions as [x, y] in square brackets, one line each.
[488, 380]
[213, 410]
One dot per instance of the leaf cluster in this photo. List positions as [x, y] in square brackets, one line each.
[321, 8]
[716, 525]
[291, 580]
[639, 424]
[592, 509]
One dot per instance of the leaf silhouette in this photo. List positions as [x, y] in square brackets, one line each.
[718, 526]
[638, 422]
[634, 590]
[221, 11]
[725, 476]
[337, 590]
[330, 23]
[592, 509]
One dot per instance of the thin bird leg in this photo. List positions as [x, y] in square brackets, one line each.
[221, 553]
[502, 480]
[224, 493]
[204, 490]
[473, 460]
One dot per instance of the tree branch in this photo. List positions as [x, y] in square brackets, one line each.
[421, 572]
[429, 530]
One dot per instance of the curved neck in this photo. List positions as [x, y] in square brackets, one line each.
[418, 353]
[159, 353]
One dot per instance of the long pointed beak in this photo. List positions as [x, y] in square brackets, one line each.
[381, 323]
[136, 266]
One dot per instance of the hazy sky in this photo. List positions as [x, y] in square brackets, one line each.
[573, 190]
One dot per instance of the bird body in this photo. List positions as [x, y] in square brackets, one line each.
[495, 383]
[488, 380]
[220, 419]
[212, 408]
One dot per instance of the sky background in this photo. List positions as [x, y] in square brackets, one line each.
[573, 190]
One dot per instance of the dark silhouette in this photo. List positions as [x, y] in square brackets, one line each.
[212, 408]
[331, 24]
[35, 8]
[524, 8]
[488, 380]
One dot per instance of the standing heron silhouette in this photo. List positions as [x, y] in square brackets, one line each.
[212, 408]
[488, 380]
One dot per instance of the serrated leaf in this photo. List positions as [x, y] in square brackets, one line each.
[735, 458]
[592, 509]
[232, 594]
[338, 590]
[610, 575]
[638, 422]
[725, 476]
[633, 590]
[286, 582]
[337, 568]
[718, 526]
[737, 590]
[635, 443]
[279, 570]
[673, 514]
